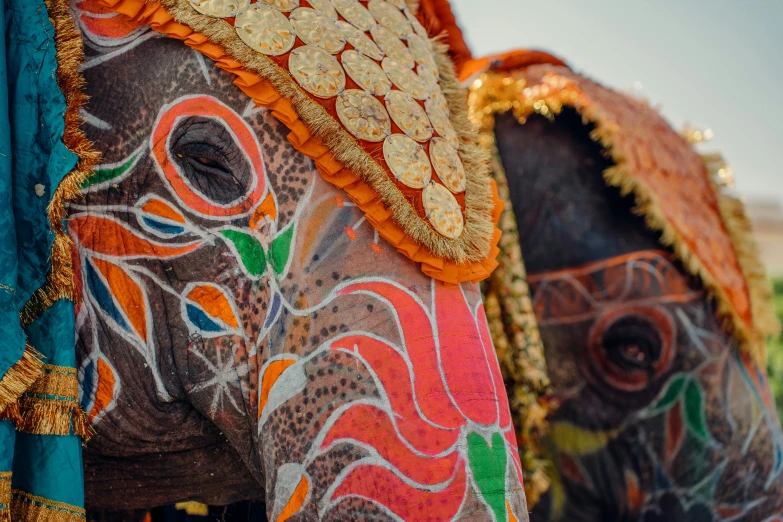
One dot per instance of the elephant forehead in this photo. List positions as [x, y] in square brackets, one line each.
[290, 61]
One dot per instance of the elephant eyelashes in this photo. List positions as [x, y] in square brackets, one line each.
[210, 159]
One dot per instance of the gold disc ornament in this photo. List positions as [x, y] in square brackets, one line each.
[417, 27]
[218, 8]
[282, 5]
[392, 46]
[325, 7]
[448, 165]
[366, 73]
[440, 121]
[390, 17]
[313, 28]
[360, 41]
[363, 115]
[355, 13]
[408, 115]
[405, 79]
[407, 161]
[265, 29]
[443, 211]
[317, 71]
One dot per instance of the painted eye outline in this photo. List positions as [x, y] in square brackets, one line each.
[622, 379]
[169, 119]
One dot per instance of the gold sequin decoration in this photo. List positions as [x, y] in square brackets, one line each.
[317, 71]
[392, 46]
[405, 78]
[408, 115]
[407, 161]
[363, 115]
[440, 121]
[355, 13]
[360, 41]
[265, 29]
[390, 17]
[366, 73]
[448, 165]
[438, 99]
[429, 75]
[325, 7]
[283, 5]
[399, 4]
[420, 49]
[313, 28]
[417, 27]
[218, 8]
[443, 211]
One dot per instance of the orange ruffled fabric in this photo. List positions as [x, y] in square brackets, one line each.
[510, 61]
[332, 170]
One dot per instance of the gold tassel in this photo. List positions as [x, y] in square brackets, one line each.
[45, 416]
[31, 508]
[5, 496]
[18, 378]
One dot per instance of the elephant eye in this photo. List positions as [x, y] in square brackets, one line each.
[632, 343]
[630, 348]
[210, 159]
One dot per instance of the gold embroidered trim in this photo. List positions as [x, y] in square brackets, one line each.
[31, 508]
[18, 378]
[518, 344]
[60, 381]
[475, 243]
[493, 93]
[70, 55]
[5, 491]
[42, 415]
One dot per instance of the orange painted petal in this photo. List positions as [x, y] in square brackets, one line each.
[104, 392]
[510, 512]
[106, 236]
[128, 294]
[214, 303]
[390, 368]
[371, 426]
[296, 501]
[158, 207]
[273, 372]
[407, 502]
[462, 355]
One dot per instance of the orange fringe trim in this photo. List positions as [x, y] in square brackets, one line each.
[31, 508]
[316, 135]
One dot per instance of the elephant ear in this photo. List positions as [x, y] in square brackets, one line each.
[421, 180]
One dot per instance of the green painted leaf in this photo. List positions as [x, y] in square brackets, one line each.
[103, 174]
[280, 249]
[489, 471]
[694, 410]
[251, 253]
[673, 390]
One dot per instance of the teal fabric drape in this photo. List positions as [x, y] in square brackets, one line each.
[46, 470]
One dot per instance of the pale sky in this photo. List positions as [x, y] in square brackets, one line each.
[714, 63]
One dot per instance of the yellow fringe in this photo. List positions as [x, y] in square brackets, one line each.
[31, 508]
[493, 93]
[17, 379]
[45, 416]
[5, 490]
[518, 344]
[70, 55]
[474, 244]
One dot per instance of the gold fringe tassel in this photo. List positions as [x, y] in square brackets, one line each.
[475, 243]
[5, 496]
[70, 55]
[31, 508]
[17, 379]
[50, 406]
[518, 344]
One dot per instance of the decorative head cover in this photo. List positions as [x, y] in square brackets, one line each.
[673, 189]
[371, 100]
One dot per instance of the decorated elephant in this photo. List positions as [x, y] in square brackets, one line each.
[270, 271]
[648, 377]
